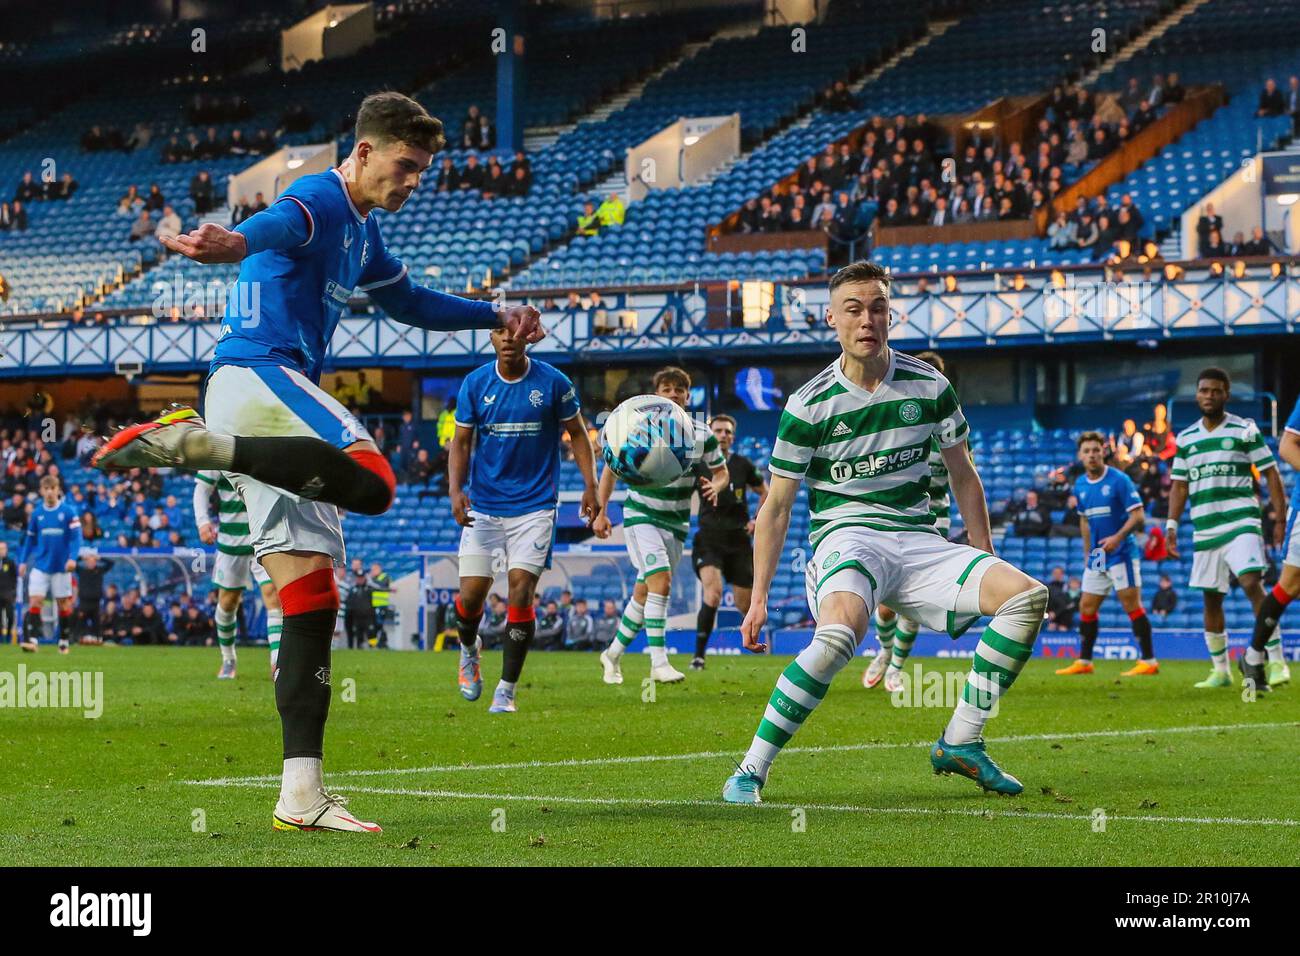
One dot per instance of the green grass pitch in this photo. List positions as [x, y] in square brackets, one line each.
[1183, 777]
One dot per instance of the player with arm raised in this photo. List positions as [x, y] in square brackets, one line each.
[517, 407]
[723, 549]
[231, 568]
[294, 452]
[860, 434]
[656, 522]
[897, 634]
[50, 546]
[1213, 469]
[1110, 510]
[1255, 663]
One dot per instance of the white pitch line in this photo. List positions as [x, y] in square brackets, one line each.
[717, 754]
[827, 807]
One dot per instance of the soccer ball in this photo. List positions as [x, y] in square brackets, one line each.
[649, 441]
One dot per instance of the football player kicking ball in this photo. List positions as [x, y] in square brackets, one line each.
[1213, 470]
[50, 545]
[722, 549]
[1254, 662]
[231, 534]
[897, 634]
[859, 434]
[294, 452]
[517, 406]
[655, 524]
[1110, 510]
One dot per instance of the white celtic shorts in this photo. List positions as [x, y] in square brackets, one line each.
[269, 401]
[917, 573]
[232, 572]
[493, 544]
[1120, 576]
[1241, 555]
[652, 549]
[58, 585]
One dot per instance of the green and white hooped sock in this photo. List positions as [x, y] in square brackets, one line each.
[799, 690]
[886, 630]
[656, 623]
[1274, 645]
[1000, 655]
[628, 628]
[1217, 644]
[904, 637]
[227, 627]
[274, 627]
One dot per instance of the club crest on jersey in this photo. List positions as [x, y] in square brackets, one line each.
[1105, 489]
[535, 398]
[347, 241]
[489, 399]
[909, 412]
[1227, 444]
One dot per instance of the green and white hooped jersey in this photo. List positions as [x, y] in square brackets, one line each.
[233, 534]
[669, 507]
[1220, 486]
[940, 500]
[866, 455]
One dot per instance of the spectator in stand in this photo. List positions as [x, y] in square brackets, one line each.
[358, 607]
[492, 629]
[1271, 101]
[471, 177]
[1070, 607]
[94, 140]
[580, 628]
[521, 181]
[28, 189]
[588, 222]
[169, 226]
[90, 592]
[6, 217]
[195, 629]
[1087, 236]
[243, 209]
[611, 212]
[1062, 234]
[1215, 248]
[174, 152]
[1032, 519]
[63, 188]
[1207, 223]
[211, 146]
[203, 193]
[448, 176]
[838, 99]
[495, 182]
[150, 628]
[1058, 601]
[131, 202]
[1257, 244]
[237, 145]
[419, 470]
[142, 228]
[606, 626]
[8, 593]
[1165, 600]
[486, 135]
[90, 530]
[550, 628]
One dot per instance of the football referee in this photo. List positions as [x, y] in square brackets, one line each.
[723, 548]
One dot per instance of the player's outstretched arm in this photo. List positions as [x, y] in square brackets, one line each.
[423, 308]
[770, 529]
[969, 492]
[585, 458]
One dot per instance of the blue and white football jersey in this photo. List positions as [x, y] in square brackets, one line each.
[53, 538]
[516, 463]
[1106, 504]
[287, 302]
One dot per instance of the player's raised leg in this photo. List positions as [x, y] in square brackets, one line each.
[1016, 602]
[886, 628]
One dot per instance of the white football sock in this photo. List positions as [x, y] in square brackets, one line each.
[301, 779]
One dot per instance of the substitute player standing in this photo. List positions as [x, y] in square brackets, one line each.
[234, 568]
[723, 549]
[1213, 470]
[517, 407]
[1254, 662]
[656, 522]
[51, 545]
[897, 634]
[1110, 510]
[859, 434]
[296, 452]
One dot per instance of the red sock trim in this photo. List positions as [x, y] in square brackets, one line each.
[1280, 596]
[464, 614]
[316, 591]
[378, 465]
[34, 609]
[520, 615]
[1087, 618]
[1137, 613]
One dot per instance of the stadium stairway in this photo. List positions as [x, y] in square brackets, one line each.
[1143, 40]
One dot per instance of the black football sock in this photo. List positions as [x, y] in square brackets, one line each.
[1142, 631]
[704, 622]
[1270, 612]
[520, 627]
[466, 626]
[314, 469]
[302, 683]
[34, 627]
[1088, 635]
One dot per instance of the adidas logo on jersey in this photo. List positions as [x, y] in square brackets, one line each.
[841, 430]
